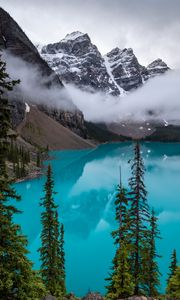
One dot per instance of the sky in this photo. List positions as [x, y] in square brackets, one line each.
[150, 27]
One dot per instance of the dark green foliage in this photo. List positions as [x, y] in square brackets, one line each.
[121, 281]
[173, 265]
[100, 133]
[135, 269]
[60, 255]
[149, 259]
[169, 134]
[62, 261]
[19, 157]
[173, 288]
[38, 159]
[16, 153]
[47, 149]
[122, 215]
[52, 240]
[139, 216]
[17, 280]
[5, 85]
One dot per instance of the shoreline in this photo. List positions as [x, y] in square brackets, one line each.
[29, 177]
[41, 171]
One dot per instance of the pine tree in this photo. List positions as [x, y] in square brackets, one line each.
[149, 259]
[47, 148]
[121, 206]
[19, 157]
[62, 256]
[139, 216]
[173, 288]
[38, 159]
[121, 281]
[17, 280]
[50, 250]
[5, 85]
[173, 265]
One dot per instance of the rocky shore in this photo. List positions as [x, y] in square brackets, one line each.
[98, 296]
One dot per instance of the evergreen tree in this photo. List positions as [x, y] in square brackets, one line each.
[5, 85]
[173, 288]
[47, 148]
[62, 256]
[173, 265]
[121, 281]
[17, 280]
[19, 157]
[38, 159]
[149, 259]
[139, 216]
[121, 206]
[50, 250]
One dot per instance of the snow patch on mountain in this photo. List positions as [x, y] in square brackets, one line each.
[73, 36]
[109, 71]
[78, 61]
[27, 109]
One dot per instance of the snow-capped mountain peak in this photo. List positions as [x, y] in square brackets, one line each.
[157, 67]
[78, 61]
[125, 68]
[74, 36]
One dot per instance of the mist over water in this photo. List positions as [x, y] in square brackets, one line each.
[86, 181]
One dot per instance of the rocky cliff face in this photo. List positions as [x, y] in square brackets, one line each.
[125, 68]
[77, 61]
[73, 120]
[15, 41]
[157, 67]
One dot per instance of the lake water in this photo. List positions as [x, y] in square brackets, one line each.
[85, 182]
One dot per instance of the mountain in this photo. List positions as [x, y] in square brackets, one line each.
[77, 61]
[157, 67]
[15, 41]
[39, 129]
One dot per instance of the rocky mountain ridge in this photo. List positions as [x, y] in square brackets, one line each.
[78, 61]
[15, 41]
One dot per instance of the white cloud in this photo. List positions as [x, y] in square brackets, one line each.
[33, 88]
[150, 27]
[169, 217]
[160, 95]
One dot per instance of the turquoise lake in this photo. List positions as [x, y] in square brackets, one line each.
[85, 182]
